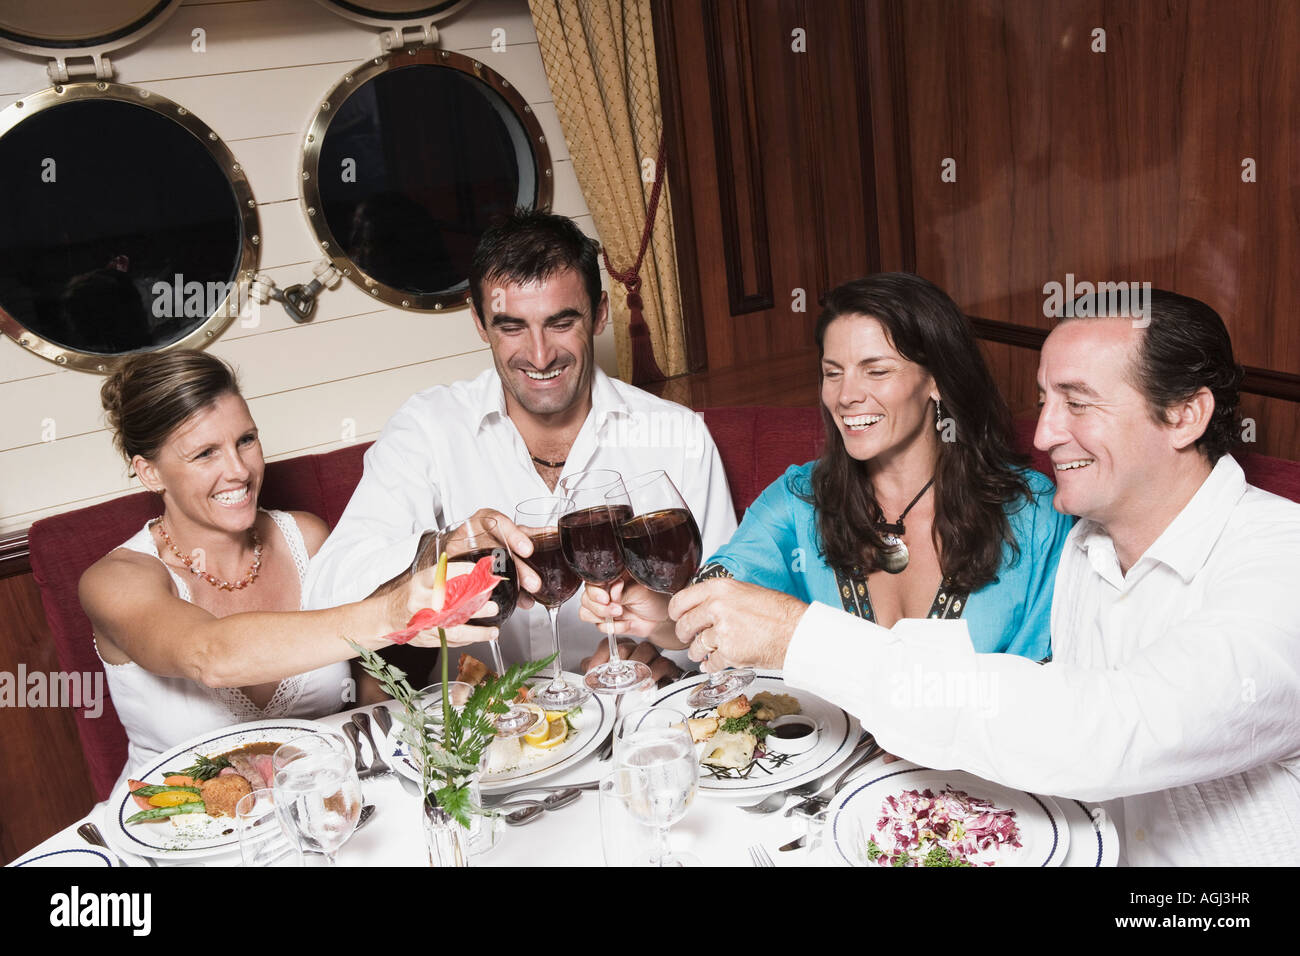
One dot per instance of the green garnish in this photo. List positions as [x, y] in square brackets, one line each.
[941, 857]
[873, 851]
[203, 769]
[748, 724]
[901, 860]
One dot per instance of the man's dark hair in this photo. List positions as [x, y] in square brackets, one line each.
[531, 245]
[1185, 348]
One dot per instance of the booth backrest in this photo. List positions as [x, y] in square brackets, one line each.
[756, 445]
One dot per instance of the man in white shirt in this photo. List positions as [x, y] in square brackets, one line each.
[544, 412]
[1175, 681]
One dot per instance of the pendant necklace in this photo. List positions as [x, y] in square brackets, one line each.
[894, 557]
[546, 464]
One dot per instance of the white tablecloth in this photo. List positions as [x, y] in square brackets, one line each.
[715, 830]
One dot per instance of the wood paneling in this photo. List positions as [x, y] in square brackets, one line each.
[44, 784]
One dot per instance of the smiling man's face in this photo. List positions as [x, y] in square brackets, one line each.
[542, 336]
[1109, 456]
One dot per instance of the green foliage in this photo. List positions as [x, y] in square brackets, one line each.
[450, 751]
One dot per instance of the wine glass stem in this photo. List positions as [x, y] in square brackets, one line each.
[615, 661]
[557, 680]
[661, 850]
[496, 658]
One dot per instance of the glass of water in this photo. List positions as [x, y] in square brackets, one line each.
[656, 742]
[263, 840]
[317, 793]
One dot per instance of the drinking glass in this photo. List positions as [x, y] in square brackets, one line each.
[656, 742]
[625, 839]
[539, 518]
[471, 540]
[317, 793]
[263, 840]
[590, 545]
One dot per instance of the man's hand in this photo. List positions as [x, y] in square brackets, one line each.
[521, 546]
[661, 668]
[728, 623]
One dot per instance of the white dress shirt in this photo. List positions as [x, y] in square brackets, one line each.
[1175, 687]
[452, 449]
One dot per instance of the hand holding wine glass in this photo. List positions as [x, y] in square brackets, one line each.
[539, 518]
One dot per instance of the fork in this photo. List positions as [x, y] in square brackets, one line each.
[759, 856]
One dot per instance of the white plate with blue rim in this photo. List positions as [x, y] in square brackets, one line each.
[194, 835]
[519, 764]
[1094, 841]
[79, 856]
[771, 773]
[864, 811]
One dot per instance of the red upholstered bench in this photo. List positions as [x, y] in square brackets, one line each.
[756, 444]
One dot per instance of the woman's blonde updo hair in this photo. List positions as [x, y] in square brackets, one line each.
[154, 392]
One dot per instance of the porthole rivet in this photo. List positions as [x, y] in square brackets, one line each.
[182, 111]
[548, 174]
[374, 292]
[251, 203]
[24, 341]
[237, 168]
[209, 333]
[257, 240]
[406, 303]
[445, 54]
[100, 368]
[306, 175]
[528, 109]
[541, 139]
[311, 210]
[325, 245]
[437, 307]
[505, 83]
[62, 360]
[311, 137]
[324, 107]
[19, 104]
[101, 86]
[144, 94]
[348, 78]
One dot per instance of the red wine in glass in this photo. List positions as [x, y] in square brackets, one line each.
[506, 594]
[559, 580]
[661, 549]
[590, 543]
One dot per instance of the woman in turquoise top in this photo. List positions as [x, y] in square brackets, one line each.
[918, 507]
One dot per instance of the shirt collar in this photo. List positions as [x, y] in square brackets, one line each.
[1185, 545]
[490, 398]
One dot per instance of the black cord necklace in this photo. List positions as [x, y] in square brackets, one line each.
[894, 557]
[557, 464]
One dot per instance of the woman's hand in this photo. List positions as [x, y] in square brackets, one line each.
[626, 608]
[417, 594]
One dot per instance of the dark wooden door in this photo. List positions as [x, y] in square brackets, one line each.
[768, 120]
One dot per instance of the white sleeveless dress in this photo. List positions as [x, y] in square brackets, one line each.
[161, 712]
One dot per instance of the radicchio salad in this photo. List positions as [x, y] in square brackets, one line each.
[951, 828]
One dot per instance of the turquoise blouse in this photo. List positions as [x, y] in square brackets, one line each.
[776, 546]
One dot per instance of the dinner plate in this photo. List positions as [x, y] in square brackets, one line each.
[836, 740]
[1044, 833]
[73, 856]
[198, 835]
[593, 724]
[1094, 841]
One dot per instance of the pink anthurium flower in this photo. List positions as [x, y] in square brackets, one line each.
[457, 600]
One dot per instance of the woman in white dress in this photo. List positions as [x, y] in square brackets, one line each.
[198, 617]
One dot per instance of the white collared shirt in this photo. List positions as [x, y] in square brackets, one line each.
[1175, 687]
[451, 450]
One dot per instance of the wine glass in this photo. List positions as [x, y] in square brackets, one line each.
[656, 742]
[590, 545]
[539, 518]
[661, 548]
[471, 540]
[263, 839]
[317, 793]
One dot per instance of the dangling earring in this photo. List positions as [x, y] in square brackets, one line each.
[938, 416]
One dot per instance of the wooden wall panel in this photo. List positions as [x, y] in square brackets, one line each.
[1123, 165]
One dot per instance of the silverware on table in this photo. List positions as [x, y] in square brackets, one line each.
[871, 753]
[759, 856]
[495, 800]
[377, 765]
[769, 804]
[90, 833]
[359, 763]
[384, 719]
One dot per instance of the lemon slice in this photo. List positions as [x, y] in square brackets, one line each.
[556, 733]
[537, 736]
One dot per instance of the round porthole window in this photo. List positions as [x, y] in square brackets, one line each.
[408, 161]
[125, 225]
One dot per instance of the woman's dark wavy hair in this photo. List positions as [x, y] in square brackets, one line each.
[977, 474]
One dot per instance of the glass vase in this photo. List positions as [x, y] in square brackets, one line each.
[447, 840]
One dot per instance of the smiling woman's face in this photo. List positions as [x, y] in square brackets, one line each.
[880, 401]
[210, 468]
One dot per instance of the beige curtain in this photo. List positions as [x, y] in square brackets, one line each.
[600, 60]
